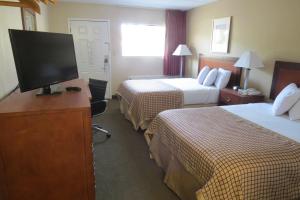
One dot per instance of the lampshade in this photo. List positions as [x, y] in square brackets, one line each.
[249, 59]
[182, 50]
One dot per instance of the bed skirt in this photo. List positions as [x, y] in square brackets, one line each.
[132, 117]
[176, 177]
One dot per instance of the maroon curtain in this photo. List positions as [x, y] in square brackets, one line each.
[175, 35]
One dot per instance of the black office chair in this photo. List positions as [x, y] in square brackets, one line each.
[98, 102]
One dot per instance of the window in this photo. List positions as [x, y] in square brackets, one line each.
[143, 40]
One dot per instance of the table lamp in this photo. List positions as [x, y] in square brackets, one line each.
[182, 50]
[248, 60]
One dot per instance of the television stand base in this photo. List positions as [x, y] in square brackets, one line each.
[47, 91]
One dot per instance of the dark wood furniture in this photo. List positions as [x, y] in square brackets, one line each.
[46, 146]
[284, 74]
[225, 63]
[231, 97]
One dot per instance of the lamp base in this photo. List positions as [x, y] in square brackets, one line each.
[247, 72]
[181, 66]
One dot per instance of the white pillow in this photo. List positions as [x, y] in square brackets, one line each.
[223, 78]
[286, 99]
[211, 77]
[294, 112]
[202, 74]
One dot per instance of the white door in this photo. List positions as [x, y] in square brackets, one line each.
[92, 46]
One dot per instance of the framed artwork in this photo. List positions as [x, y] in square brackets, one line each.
[220, 35]
[28, 19]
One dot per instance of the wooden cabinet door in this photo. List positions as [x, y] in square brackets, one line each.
[43, 157]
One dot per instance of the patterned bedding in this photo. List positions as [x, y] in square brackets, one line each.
[142, 100]
[228, 156]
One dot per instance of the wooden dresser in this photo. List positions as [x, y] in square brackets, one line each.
[46, 146]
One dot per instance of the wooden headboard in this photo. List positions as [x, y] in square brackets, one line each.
[225, 63]
[284, 74]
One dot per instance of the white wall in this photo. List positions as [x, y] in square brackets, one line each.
[122, 67]
[10, 18]
[42, 20]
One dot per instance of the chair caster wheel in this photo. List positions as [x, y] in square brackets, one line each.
[108, 136]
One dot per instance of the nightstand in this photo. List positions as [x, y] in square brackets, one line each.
[231, 97]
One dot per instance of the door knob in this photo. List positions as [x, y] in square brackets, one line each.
[105, 60]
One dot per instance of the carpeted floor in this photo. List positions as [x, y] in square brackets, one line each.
[124, 170]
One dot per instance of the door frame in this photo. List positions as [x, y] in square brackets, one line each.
[109, 40]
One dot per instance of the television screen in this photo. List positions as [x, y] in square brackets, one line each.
[43, 59]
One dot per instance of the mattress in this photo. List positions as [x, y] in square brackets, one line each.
[194, 93]
[261, 114]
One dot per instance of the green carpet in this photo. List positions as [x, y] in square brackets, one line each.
[124, 170]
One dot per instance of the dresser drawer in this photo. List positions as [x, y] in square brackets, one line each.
[229, 99]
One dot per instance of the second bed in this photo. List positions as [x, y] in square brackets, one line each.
[142, 100]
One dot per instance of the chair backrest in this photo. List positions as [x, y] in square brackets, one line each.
[98, 89]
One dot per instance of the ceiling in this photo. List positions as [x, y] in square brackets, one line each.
[160, 4]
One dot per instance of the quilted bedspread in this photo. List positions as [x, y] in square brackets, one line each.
[144, 99]
[231, 157]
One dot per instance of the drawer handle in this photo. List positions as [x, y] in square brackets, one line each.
[227, 99]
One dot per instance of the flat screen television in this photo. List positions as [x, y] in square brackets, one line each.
[43, 59]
